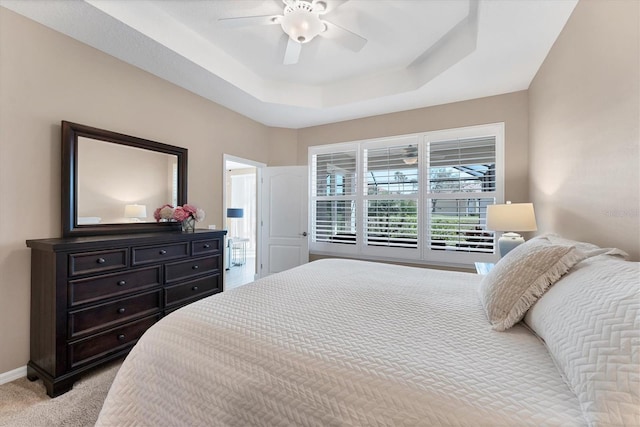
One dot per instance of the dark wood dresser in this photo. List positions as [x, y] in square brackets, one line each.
[92, 298]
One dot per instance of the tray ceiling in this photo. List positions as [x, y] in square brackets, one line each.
[418, 53]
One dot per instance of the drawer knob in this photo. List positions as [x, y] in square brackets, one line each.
[206, 246]
[122, 283]
[162, 252]
[195, 267]
[121, 337]
[195, 288]
[101, 260]
[121, 310]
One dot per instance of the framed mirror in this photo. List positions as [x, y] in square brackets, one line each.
[112, 183]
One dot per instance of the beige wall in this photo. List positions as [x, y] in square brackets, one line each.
[46, 77]
[510, 109]
[283, 150]
[584, 137]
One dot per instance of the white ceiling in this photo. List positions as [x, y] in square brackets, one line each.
[419, 52]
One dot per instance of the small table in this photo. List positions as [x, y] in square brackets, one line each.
[484, 267]
[238, 251]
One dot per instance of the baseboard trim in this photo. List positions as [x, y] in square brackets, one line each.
[17, 373]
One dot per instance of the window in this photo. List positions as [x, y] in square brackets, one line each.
[419, 197]
[390, 194]
[461, 180]
[333, 194]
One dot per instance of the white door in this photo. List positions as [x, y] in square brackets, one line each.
[284, 238]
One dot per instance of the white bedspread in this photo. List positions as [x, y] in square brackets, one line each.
[335, 343]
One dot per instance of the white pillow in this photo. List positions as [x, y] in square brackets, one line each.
[590, 322]
[588, 249]
[521, 277]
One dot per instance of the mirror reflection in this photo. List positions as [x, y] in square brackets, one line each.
[121, 184]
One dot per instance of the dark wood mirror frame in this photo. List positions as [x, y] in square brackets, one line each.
[70, 226]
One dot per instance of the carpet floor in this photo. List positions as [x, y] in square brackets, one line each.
[25, 404]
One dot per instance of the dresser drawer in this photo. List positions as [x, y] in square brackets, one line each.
[111, 341]
[194, 267]
[88, 320]
[111, 285]
[206, 247]
[191, 291]
[95, 262]
[159, 253]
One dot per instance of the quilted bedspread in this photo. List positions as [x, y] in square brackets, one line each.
[340, 343]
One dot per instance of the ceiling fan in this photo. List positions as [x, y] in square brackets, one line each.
[301, 23]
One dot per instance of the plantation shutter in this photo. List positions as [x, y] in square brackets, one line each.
[333, 192]
[462, 182]
[391, 196]
[421, 197]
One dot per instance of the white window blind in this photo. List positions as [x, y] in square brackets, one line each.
[333, 191]
[391, 196]
[462, 182]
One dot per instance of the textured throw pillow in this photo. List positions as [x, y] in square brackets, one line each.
[521, 277]
[590, 323]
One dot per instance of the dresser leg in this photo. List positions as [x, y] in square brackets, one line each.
[32, 375]
[55, 389]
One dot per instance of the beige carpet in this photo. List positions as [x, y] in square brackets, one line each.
[25, 403]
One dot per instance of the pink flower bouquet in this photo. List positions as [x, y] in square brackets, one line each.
[179, 213]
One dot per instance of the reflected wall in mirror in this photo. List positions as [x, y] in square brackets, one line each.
[112, 177]
[112, 183]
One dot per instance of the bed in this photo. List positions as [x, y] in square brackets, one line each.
[344, 342]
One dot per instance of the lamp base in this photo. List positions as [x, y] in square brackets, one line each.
[509, 241]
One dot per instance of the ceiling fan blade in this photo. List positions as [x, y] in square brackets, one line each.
[346, 38]
[249, 21]
[292, 54]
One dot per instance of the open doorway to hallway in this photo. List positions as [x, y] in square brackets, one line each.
[241, 220]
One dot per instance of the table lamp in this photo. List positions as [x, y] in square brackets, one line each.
[235, 213]
[509, 218]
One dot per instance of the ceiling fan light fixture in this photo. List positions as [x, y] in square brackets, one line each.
[301, 23]
[410, 160]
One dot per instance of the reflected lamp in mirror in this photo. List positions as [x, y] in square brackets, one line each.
[509, 218]
[135, 212]
[235, 213]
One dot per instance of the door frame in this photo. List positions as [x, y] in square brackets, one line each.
[225, 177]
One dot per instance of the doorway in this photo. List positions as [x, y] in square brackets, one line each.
[241, 220]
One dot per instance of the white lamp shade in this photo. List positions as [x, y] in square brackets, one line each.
[135, 211]
[511, 217]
